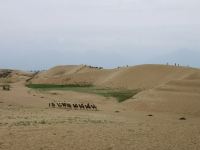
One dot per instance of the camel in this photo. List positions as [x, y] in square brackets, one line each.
[64, 105]
[93, 107]
[52, 105]
[75, 106]
[69, 105]
[59, 105]
[81, 106]
[87, 106]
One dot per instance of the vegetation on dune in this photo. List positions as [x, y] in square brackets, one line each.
[120, 94]
[55, 86]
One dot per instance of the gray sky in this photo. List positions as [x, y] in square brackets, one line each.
[38, 34]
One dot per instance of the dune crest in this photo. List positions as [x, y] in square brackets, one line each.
[142, 76]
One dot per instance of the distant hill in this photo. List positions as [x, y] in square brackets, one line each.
[10, 76]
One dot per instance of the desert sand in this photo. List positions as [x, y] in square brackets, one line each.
[148, 121]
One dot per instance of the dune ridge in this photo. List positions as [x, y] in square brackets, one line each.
[142, 76]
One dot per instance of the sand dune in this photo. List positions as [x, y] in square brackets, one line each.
[180, 96]
[150, 120]
[164, 88]
[143, 76]
[147, 76]
[70, 74]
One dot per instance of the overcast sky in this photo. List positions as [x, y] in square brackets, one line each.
[38, 34]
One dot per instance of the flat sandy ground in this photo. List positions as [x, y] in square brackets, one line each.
[27, 123]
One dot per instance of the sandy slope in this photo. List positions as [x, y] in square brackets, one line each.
[146, 76]
[176, 96]
[26, 122]
[71, 74]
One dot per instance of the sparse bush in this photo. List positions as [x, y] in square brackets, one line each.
[43, 122]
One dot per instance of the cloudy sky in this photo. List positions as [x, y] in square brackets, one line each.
[38, 34]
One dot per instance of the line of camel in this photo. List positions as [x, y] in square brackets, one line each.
[87, 106]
